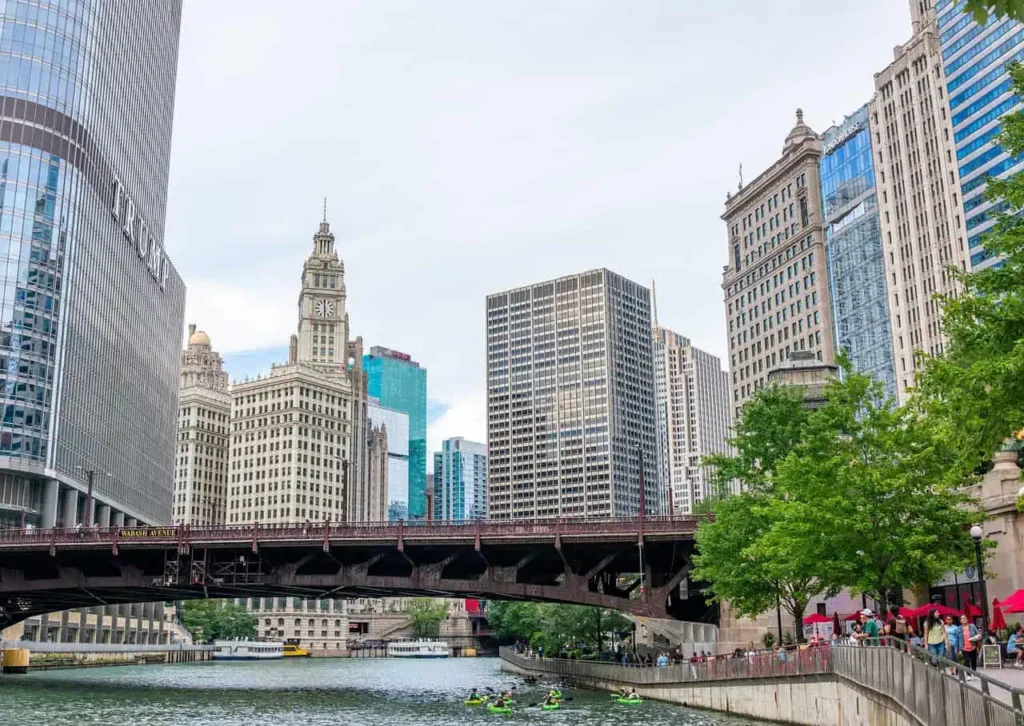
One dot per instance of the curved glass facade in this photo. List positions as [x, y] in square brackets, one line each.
[853, 242]
[90, 306]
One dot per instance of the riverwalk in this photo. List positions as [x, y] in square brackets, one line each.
[819, 686]
[47, 656]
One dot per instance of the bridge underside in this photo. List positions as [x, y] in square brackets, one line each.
[593, 573]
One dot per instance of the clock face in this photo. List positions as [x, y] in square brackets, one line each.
[324, 308]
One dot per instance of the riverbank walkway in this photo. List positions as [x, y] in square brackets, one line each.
[894, 684]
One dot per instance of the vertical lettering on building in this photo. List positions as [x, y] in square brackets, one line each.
[139, 235]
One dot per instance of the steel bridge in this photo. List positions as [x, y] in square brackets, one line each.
[637, 565]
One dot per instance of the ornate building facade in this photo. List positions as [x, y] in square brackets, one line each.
[201, 459]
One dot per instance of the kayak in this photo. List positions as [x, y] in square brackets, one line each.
[630, 701]
[474, 701]
[551, 706]
[491, 708]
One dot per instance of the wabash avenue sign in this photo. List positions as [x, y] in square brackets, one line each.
[139, 235]
[161, 532]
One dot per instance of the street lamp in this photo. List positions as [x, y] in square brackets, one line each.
[976, 534]
[87, 517]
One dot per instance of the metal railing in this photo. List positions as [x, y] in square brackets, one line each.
[563, 527]
[47, 647]
[933, 691]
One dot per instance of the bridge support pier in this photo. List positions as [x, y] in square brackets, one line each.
[48, 514]
[117, 519]
[103, 515]
[131, 522]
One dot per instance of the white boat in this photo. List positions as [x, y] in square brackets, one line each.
[418, 649]
[247, 650]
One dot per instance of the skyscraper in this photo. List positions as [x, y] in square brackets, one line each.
[776, 284]
[204, 418]
[302, 446]
[853, 243]
[91, 317]
[979, 93]
[399, 383]
[693, 416]
[570, 399]
[397, 424]
[460, 480]
[918, 192]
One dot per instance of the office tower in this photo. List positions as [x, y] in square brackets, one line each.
[693, 417]
[776, 284]
[570, 399]
[399, 383]
[918, 192]
[460, 480]
[301, 441]
[90, 328]
[979, 92]
[853, 244]
[397, 424]
[204, 413]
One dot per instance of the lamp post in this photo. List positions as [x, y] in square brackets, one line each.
[976, 534]
[87, 516]
[643, 493]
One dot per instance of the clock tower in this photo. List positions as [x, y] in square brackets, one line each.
[323, 321]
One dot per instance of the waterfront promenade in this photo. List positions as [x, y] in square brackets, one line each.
[819, 686]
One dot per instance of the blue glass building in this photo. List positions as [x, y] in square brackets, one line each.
[460, 480]
[399, 383]
[974, 59]
[853, 245]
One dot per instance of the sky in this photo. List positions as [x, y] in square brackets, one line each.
[466, 147]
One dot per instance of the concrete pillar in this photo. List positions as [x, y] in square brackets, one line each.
[103, 515]
[131, 522]
[69, 508]
[89, 516]
[117, 519]
[48, 515]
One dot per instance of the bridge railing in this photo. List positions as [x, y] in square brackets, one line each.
[934, 691]
[313, 530]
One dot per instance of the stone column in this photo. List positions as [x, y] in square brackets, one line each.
[70, 508]
[117, 519]
[131, 522]
[48, 514]
[103, 515]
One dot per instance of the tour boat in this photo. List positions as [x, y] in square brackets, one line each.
[247, 650]
[418, 649]
[294, 650]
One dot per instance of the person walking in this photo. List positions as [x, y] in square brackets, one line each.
[935, 636]
[953, 643]
[900, 625]
[970, 639]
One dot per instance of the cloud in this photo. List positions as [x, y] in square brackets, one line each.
[466, 416]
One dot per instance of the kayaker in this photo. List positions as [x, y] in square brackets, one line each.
[554, 694]
[633, 695]
[499, 702]
[550, 701]
[474, 696]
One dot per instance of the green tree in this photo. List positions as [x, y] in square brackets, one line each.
[741, 567]
[553, 626]
[978, 385]
[1002, 8]
[514, 620]
[208, 620]
[874, 495]
[425, 616]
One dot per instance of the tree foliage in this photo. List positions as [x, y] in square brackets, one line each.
[556, 628]
[425, 616]
[1002, 8]
[208, 620]
[978, 385]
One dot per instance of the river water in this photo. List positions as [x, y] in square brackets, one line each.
[309, 692]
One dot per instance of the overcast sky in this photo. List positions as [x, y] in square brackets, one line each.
[470, 146]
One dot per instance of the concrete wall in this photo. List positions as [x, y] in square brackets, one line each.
[823, 700]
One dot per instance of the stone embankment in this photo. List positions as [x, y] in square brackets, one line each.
[21, 657]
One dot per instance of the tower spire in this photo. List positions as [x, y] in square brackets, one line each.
[654, 303]
[325, 210]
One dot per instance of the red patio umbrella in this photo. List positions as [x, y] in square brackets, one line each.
[910, 612]
[816, 618]
[972, 611]
[852, 618]
[998, 621]
[1014, 603]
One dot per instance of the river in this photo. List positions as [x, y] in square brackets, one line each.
[308, 692]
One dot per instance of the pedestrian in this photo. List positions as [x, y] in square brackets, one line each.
[953, 643]
[1015, 646]
[869, 629]
[901, 628]
[935, 636]
[970, 638]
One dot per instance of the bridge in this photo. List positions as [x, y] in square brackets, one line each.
[636, 565]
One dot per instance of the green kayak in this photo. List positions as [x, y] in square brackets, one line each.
[551, 706]
[630, 701]
[474, 701]
[491, 708]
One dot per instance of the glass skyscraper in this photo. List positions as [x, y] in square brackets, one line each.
[399, 383]
[460, 480]
[91, 308]
[853, 245]
[397, 426]
[979, 90]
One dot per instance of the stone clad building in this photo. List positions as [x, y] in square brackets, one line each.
[201, 459]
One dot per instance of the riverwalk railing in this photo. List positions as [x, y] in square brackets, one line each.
[933, 691]
[46, 647]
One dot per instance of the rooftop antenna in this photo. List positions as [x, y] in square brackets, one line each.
[741, 176]
[325, 210]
